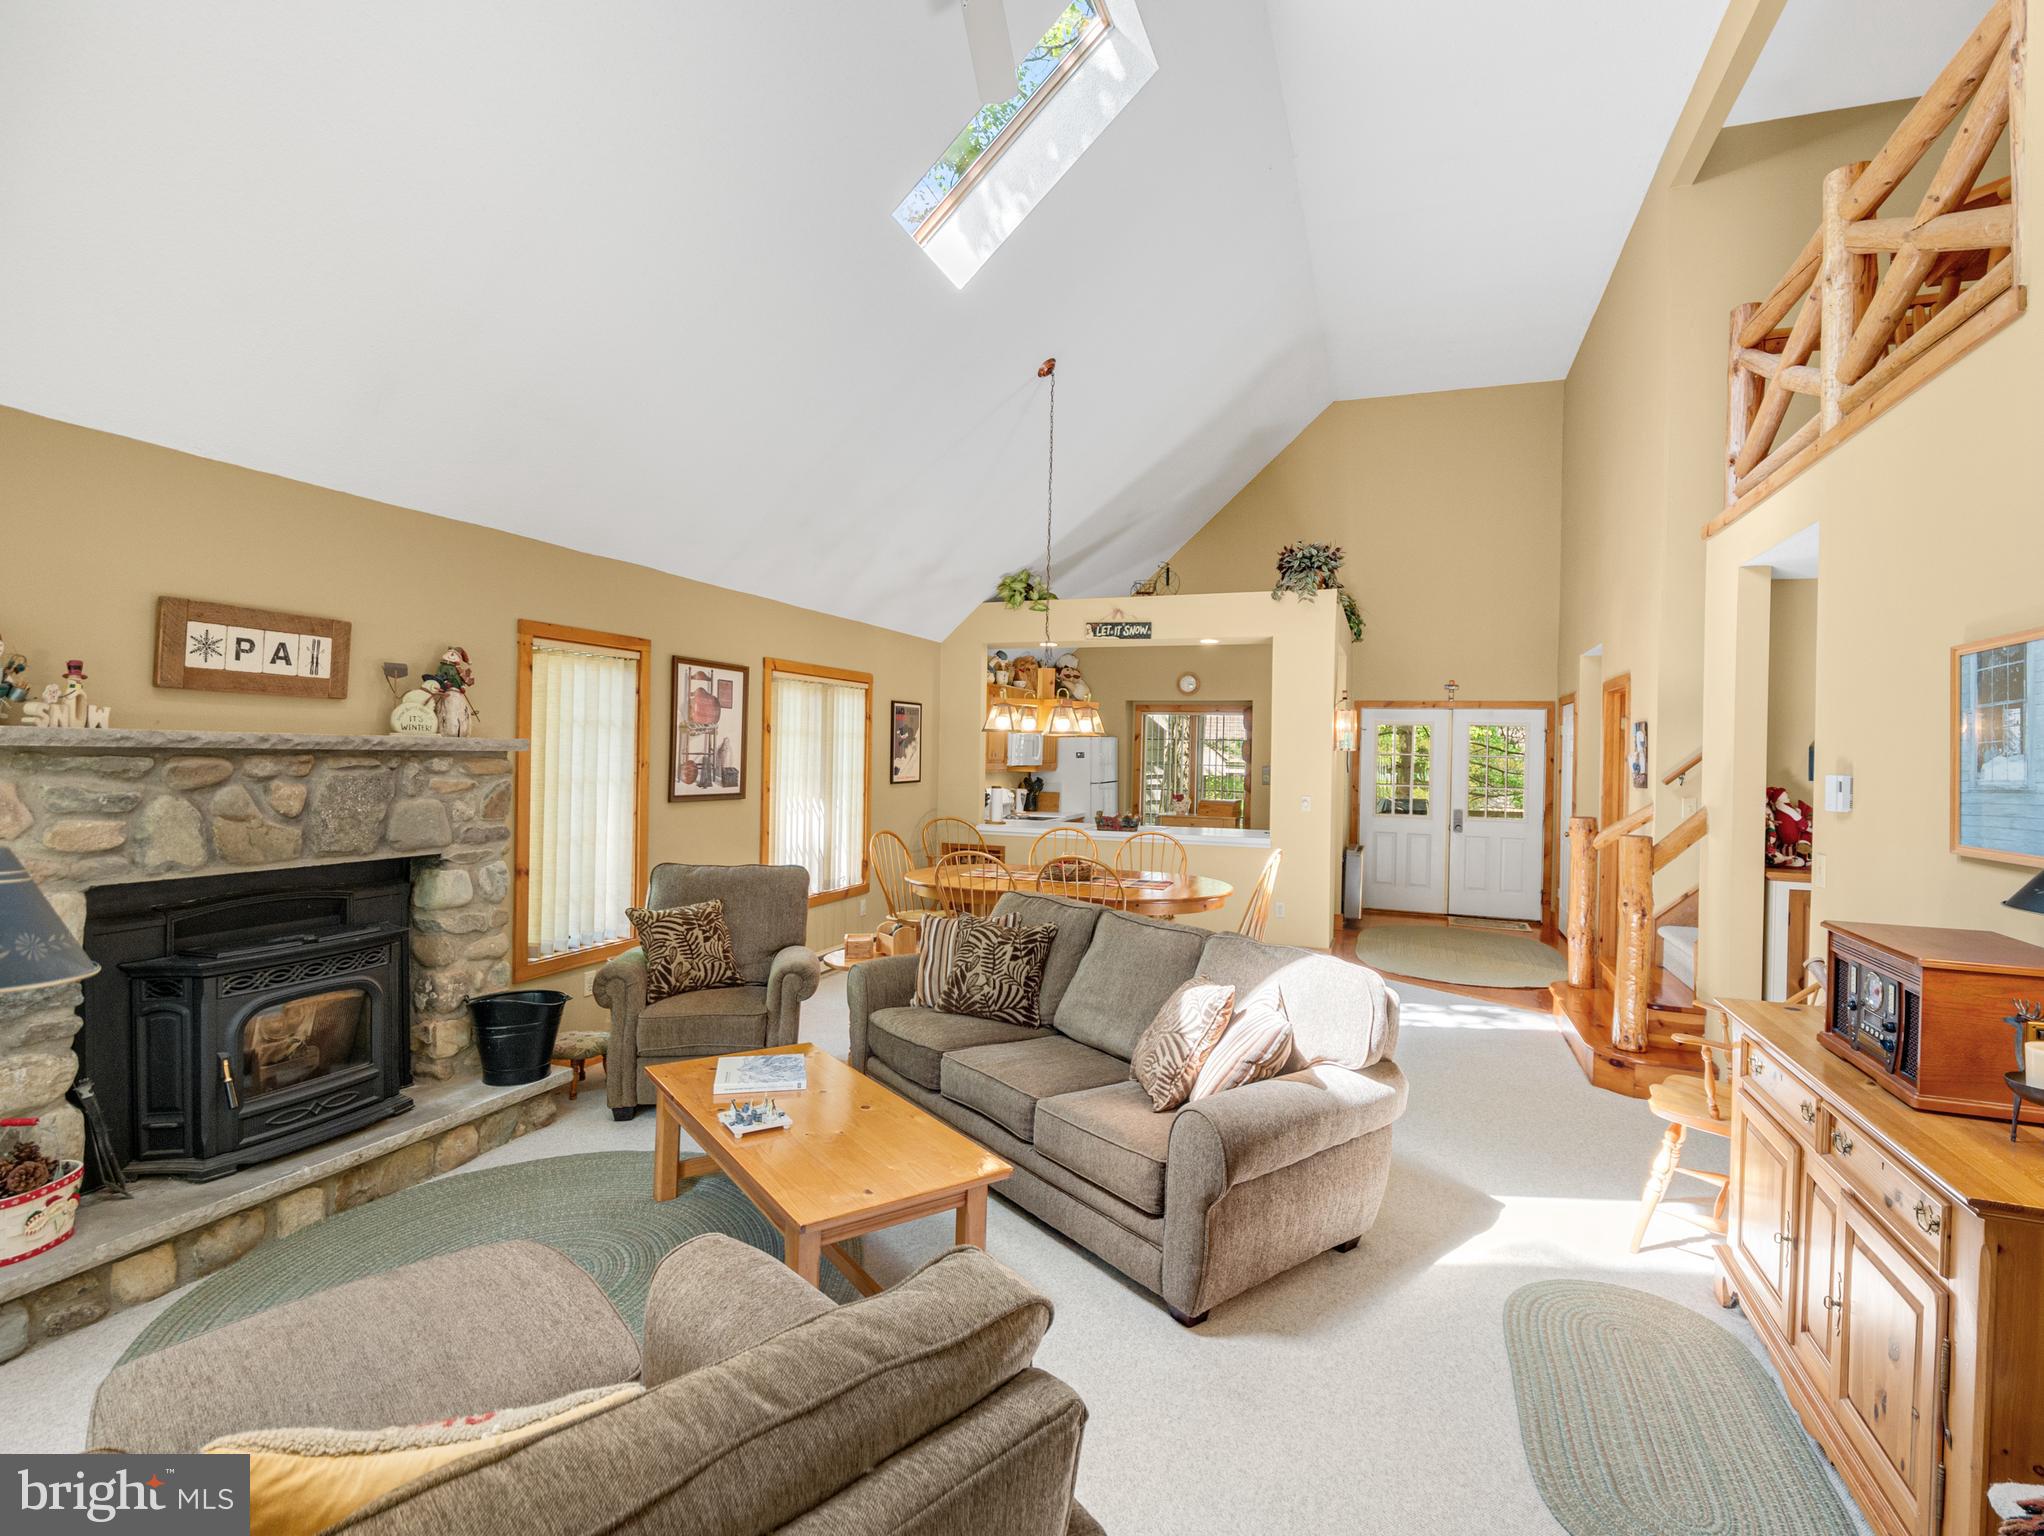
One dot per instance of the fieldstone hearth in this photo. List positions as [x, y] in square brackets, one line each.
[91, 808]
[84, 809]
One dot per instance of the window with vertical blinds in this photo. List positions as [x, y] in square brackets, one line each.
[582, 839]
[819, 731]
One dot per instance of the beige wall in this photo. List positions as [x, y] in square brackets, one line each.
[1309, 780]
[1134, 673]
[1792, 686]
[101, 526]
[1449, 506]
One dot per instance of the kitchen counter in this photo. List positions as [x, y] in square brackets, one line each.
[1192, 837]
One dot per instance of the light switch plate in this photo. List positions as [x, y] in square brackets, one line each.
[1305, 802]
[1280, 909]
[1816, 869]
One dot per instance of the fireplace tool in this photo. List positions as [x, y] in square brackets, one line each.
[113, 1178]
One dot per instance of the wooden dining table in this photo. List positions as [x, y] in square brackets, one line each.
[1151, 893]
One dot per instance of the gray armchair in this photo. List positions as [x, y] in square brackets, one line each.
[766, 907]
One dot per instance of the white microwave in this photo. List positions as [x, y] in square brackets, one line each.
[1025, 749]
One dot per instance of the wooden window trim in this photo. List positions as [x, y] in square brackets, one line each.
[1243, 707]
[523, 966]
[772, 666]
[1012, 130]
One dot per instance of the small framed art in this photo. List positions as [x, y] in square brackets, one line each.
[712, 700]
[905, 744]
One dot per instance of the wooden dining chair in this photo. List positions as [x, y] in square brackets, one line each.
[985, 880]
[891, 861]
[1688, 1104]
[947, 834]
[1158, 851]
[1256, 911]
[1062, 843]
[1082, 879]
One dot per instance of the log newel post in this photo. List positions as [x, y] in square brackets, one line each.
[1582, 901]
[1839, 296]
[1633, 968]
[1743, 388]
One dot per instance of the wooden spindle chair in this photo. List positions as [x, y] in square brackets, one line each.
[1157, 852]
[891, 861]
[1082, 879]
[1256, 911]
[1063, 843]
[974, 896]
[947, 834]
[1688, 1104]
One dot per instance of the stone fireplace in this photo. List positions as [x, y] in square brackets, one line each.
[90, 810]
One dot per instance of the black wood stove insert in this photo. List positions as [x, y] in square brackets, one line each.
[237, 1018]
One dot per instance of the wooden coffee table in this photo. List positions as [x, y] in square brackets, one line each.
[859, 1157]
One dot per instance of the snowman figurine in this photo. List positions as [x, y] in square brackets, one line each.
[452, 680]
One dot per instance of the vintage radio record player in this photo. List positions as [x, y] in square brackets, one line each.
[1921, 1011]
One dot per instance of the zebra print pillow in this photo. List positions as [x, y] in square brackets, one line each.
[938, 946]
[998, 972]
[1256, 1045]
[1168, 1057]
[687, 948]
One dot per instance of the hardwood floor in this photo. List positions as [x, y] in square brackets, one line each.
[1534, 998]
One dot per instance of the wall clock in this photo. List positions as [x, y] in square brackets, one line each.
[1188, 683]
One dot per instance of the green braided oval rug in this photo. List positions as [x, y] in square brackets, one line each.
[1641, 1418]
[595, 1207]
[1469, 957]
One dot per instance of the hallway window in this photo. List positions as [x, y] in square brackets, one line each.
[1497, 772]
[1404, 770]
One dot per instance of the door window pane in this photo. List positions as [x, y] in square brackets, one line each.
[1405, 770]
[1497, 772]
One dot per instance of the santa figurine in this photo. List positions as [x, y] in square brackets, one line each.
[453, 677]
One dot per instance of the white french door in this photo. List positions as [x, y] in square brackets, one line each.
[1565, 807]
[1498, 813]
[1404, 818]
[1454, 811]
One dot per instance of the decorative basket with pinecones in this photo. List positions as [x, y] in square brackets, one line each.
[38, 1194]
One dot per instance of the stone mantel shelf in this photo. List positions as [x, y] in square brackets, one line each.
[35, 738]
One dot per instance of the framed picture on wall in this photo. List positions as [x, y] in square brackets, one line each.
[905, 744]
[1997, 776]
[1638, 756]
[712, 700]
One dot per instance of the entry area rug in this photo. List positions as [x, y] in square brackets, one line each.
[1494, 924]
[1465, 956]
[1642, 1419]
[595, 1207]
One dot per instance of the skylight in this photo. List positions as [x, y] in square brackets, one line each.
[1078, 29]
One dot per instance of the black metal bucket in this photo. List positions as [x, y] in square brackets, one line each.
[515, 1033]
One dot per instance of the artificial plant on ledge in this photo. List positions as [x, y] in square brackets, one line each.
[1025, 586]
[1308, 569]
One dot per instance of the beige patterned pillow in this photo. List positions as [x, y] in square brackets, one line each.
[939, 947]
[687, 948]
[1167, 1058]
[1256, 1045]
[997, 972]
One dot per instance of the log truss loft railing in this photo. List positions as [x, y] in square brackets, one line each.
[1878, 331]
[1633, 963]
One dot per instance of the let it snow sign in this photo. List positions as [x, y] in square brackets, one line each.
[230, 649]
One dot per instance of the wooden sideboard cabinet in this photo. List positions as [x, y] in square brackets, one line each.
[1892, 1262]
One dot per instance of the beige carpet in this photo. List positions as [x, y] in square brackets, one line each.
[1464, 956]
[1362, 1393]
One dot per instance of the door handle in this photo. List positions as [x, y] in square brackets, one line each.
[1458, 821]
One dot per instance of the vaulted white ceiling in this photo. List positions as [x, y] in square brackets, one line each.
[620, 274]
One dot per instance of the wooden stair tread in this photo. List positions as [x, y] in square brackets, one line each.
[1584, 1014]
[1670, 995]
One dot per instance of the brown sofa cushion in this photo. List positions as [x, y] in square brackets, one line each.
[1132, 965]
[687, 948]
[1167, 1058]
[1004, 1082]
[1110, 1137]
[753, 1441]
[1074, 921]
[998, 972]
[914, 1041]
[711, 1298]
[728, 1017]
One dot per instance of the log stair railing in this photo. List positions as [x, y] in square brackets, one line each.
[1621, 1016]
[1867, 334]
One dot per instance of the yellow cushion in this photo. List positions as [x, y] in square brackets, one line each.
[303, 1480]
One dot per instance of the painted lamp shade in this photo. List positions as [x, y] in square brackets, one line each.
[36, 949]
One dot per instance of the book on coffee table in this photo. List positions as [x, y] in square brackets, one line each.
[761, 1074]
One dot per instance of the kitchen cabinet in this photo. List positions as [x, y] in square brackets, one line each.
[1891, 1262]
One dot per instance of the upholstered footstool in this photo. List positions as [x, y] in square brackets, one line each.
[577, 1048]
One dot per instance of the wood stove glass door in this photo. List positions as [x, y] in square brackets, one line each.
[302, 1039]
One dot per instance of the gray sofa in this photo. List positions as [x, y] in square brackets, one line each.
[769, 1408]
[766, 907]
[1196, 1204]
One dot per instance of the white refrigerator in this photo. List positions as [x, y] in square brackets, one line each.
[1087, 777]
